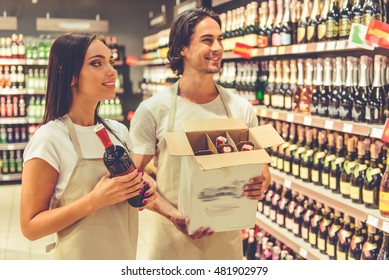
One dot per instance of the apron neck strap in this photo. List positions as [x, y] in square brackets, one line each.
[173, 106]
[73, 135]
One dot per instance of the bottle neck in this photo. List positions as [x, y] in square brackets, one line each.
[327, 74]
[305, 12]
[280, 12]
[309, 70]
[377, 75]
[315, 12]
[319, 74]
[270, 19]
[324, 12]
[286, 17]
[338, 76]
[363, 75]
[300, 77]
[349, 75]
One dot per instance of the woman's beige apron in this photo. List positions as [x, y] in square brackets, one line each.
[166, 241]
[109, 233]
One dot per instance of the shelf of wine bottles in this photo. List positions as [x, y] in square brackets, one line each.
[10, 177]
[374, 131]
[296, 244]
[325, 196]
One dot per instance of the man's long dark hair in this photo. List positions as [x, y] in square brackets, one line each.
[65, 62]
[180, 32]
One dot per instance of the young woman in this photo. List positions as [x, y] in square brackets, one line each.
[65, 186]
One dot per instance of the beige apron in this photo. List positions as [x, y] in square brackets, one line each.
[166, 241]
[109, 233]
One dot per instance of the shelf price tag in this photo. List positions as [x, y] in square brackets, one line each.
[329, 124]
[371, 220]
[273, 50]
[287, 183]
[376, 132]
[263, 113]
[347, 128]
[307, 121]
[266, 51]
[274, 115]
[331, 45]
[295, 49]
[281, 50]
[290, 117]
[321, 46]
[340, 45]
[385, 227]
[302, 48]
[303, 253]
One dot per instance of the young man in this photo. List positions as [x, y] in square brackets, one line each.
[195, 53]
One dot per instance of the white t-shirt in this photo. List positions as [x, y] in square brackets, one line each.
[150, 121]
[51, 142]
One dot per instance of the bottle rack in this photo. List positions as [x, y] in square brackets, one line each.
[296, 244]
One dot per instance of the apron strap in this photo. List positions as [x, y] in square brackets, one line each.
[121, 140]
[73, 135]
[173, 106]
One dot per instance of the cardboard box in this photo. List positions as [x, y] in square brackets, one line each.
[210, 191]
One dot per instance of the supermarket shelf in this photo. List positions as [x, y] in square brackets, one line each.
[296, 244]
[36, 62]
[36, 91]
[362, 129]
[300, 49]
[156, 61]
[12, 61]
[336, 201]
[10, 177]
[13, 146]
[21, 120]
[11, 91]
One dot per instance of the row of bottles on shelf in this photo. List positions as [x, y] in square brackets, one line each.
[19, 47]
[15, 106]
[111, 108]
[156, 79]
[156, 45]
[12, 47]
[260, 245]
[16, 133]
[286, 22]
[336, 234]
[11, 162]
[352, 166]
[242, 76]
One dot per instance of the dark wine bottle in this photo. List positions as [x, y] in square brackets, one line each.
[282, 207]
[332, 23]
[348, 167]
[321, 25]
[358, 175]
[359, 108]
[334, 102]
[313, 20]
[384, 251]
[306, 162]
[325, 225]
[297, 154]
[357, 11]
[384, 192]
[298, 214]
[329, 158]
[337, 164]
[370, 248]
[267, 98]
[289, 218]
[303, 24]
[332, 238]
[274, 202]
[348, 93]
[345, 20]
[357, 241]
[286, 31]
[263, 41]
[291, 149]
[309, 212]
[315, 224]
[344, 238]
[317, 90]
[372, 9]
[118, 163]
[327, 88]
[318, 158]
[372, 181]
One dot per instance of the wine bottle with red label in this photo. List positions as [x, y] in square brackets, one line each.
[118, 163]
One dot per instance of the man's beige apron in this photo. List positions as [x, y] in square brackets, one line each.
[166, 241]
[109, 233]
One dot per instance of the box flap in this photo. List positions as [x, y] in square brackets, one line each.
[233, 159]
[213, 124]
[265, 136]
[178, 144]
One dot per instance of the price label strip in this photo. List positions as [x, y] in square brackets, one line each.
[303, 253]
[274, 115]
[295, 49]
[347, 128]
[329, 124]
[376, 132]
[287, 183]
[385, 227]
[307, 121]
[373, 221]
[321, 46]
[290, 118]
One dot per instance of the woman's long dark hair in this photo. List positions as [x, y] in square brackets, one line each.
[65, 62]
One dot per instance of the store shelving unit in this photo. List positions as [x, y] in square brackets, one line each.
[289, 239]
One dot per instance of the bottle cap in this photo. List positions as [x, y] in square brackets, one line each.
[103, 135]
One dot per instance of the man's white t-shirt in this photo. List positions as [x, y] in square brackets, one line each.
[150, 121]
[51, 142]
